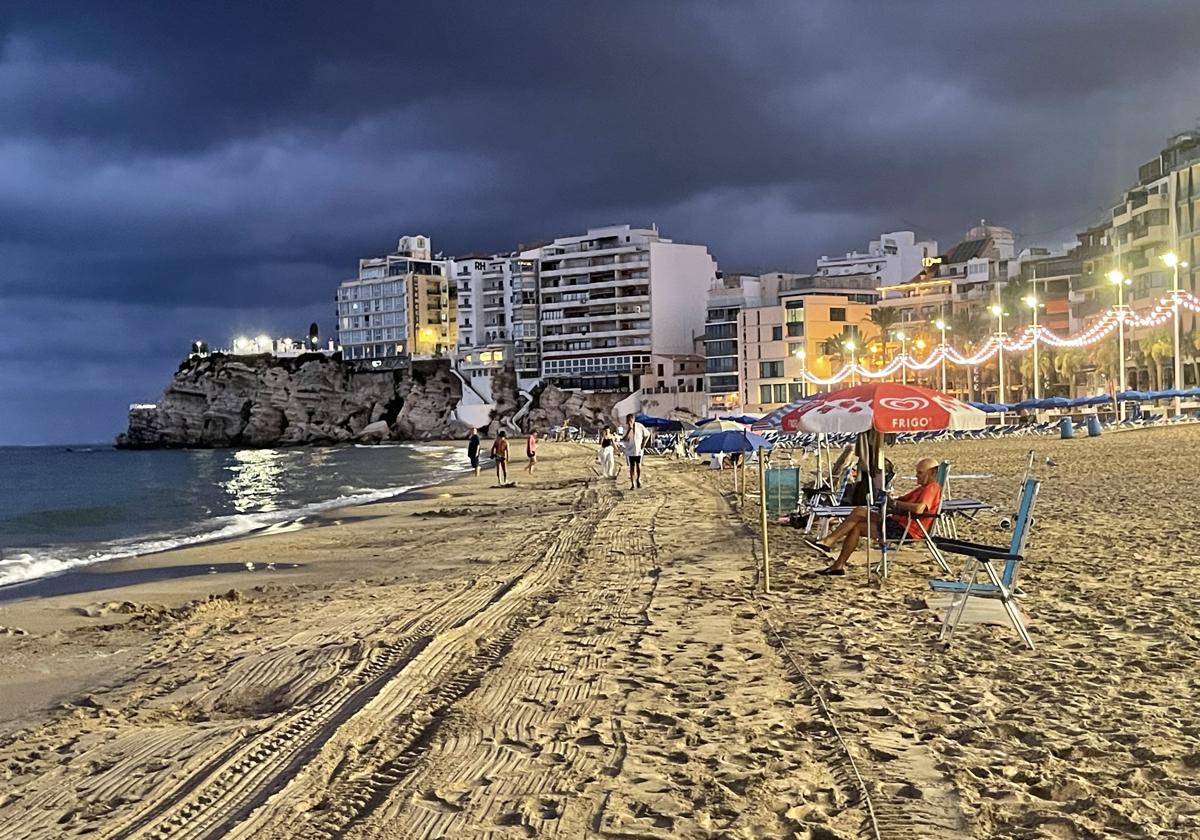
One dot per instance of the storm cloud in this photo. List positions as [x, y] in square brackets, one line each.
[176, 171]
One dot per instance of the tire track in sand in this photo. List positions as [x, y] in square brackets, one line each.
[213, 800]
[364, 759]
[514, 756]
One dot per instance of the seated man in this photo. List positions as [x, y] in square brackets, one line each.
[925, 497]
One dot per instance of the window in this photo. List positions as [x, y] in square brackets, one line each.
[764, 393]
[837, 313]
[776, 333]
[794, 391]
[794, 312]
[795, 329]
[795, 347]
[781, 393]
[769, 370]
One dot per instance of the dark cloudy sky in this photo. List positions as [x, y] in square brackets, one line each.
[171, 170]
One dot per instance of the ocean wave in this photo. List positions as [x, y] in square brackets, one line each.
[32, 564]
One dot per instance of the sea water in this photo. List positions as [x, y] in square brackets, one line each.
[66, 507]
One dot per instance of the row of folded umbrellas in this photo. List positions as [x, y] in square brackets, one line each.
[1083, 402]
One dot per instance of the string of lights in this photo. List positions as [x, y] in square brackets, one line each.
[1098, 330]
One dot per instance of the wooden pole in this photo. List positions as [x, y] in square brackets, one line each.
[762, 491]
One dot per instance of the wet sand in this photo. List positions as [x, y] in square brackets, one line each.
[571, 658]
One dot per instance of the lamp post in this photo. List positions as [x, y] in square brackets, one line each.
[1032, 302]
[998, 311]
[851, 346]
[941, 326]
[1174, 264]
[903, 339]
[802, 356]
[1120, 281]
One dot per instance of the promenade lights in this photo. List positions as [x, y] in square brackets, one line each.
[1032, 302]
[998, 314]
[1120, 281]
[941, 327]
[1174, 263]
[902, 337]
[802, 356]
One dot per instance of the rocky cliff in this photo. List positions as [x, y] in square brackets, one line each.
[221, 400]
[265, 401]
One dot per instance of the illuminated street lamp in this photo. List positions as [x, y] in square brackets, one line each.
[941, 326]
[902, 337]
[998, 311]
[1173, 262]
[802, 356]
[1032, 302]
[851, 346]
[1120, 281]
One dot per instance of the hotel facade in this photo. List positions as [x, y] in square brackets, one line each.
[399, 306]
[622, 309]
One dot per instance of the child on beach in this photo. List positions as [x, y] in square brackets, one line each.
[500, 456]
[531, 445]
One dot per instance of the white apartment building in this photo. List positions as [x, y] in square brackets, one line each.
[892, 258]
[398, 306]
[620, 304]
[498, 313]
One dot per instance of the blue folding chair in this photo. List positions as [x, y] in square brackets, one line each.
[1001, 584]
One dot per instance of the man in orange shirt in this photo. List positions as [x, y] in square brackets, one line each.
[920, 503]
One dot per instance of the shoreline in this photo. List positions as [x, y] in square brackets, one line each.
[309, 515]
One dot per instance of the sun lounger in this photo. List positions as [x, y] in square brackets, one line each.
[1001, 584]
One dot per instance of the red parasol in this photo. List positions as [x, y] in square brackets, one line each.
[887, 407]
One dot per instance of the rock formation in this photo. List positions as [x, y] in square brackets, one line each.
[262, 400]
[221, 400]
[552, 406]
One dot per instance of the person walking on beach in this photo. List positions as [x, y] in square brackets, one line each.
[473, 450]
[608, 455]
[636, 436]
[500, 456]
[917, 504]
[531, 445]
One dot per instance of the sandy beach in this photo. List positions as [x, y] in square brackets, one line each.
[569, 658]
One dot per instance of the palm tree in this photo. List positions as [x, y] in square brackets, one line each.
[968, 329]
[1159, 346]
[1105, 357]
[1045, 369]
[1070, 361]
[884, 318]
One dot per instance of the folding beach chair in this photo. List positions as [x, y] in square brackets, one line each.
[824, 502]
[783, 491]
[1000, 585]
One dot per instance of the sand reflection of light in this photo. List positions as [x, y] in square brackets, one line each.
[255, 484]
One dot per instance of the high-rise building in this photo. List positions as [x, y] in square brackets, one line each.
[969, 275]
[801, 324]
[727, 297]
[1159, 214]
[892, 258]
[399, 306]
[617, 305]
[498, 313]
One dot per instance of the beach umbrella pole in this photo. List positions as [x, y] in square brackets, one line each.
[762, 508]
